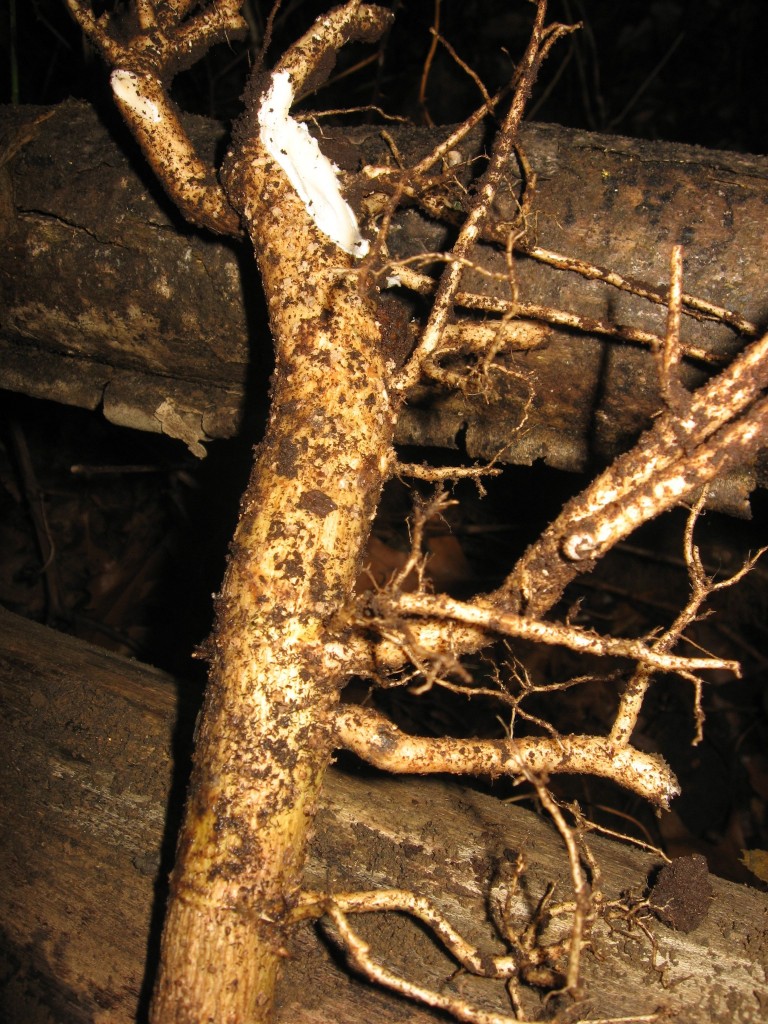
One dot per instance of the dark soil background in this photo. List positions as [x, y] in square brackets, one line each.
[120, 537]
[682, 70]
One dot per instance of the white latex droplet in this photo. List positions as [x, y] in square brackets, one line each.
[126, 87]
[312, 175]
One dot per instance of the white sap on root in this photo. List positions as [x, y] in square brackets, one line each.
[312, 175]
[127, 89]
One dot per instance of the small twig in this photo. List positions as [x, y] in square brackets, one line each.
[422, 513]
[368, 108]
[434, 31]
[579, 322]
[583, 908]
[672, 389]
[575, 639]
[338, 906]
[462, 64]
[374, 738]
[403, 901]
[424, 285]
[592, 272]
[603, 830]
[482, 201]
[434, 474]
[702, 587]
[691, 305]
[485, 341]
[358, 955]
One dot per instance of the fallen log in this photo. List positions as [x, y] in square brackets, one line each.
[94, 761]
[107, 300]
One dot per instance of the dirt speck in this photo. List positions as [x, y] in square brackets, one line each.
[682, 893]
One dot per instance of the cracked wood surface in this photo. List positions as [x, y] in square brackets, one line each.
[108, 300]
[95, 757]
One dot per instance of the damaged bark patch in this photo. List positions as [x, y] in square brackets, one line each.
[318, 503]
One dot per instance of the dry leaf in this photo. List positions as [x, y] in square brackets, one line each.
[756, 861]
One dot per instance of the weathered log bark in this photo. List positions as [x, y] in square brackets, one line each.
[162, 336]
[94, 762]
